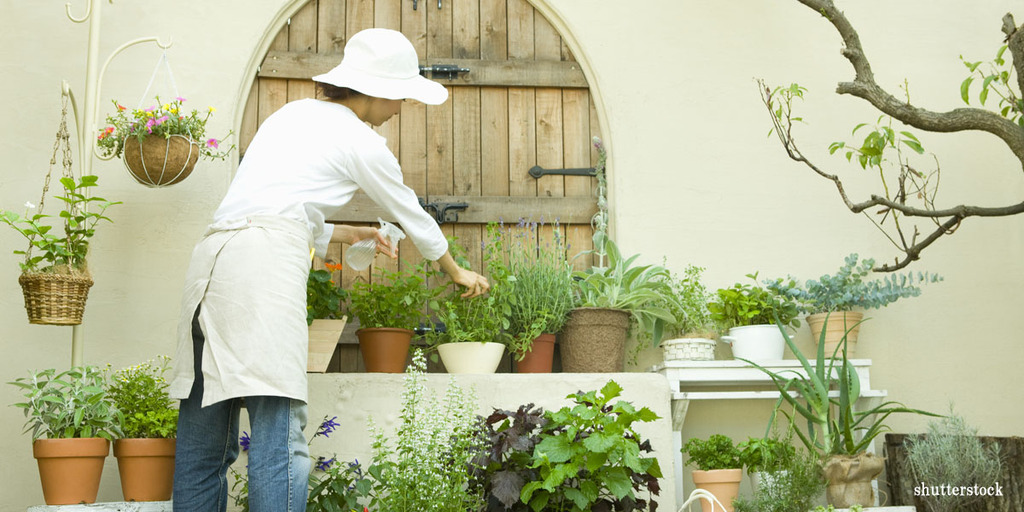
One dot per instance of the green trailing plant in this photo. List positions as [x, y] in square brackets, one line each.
[471, 319]
[690, 309]
[427, 466]
[716, 452]
[140, 394]
[834, 427]
[534, 280]
[751, 304]
[70, 404]
[951, 454]
[848, 289]
[642, 290]
[67, 251]
[395, 298]
[324, 298]
[590, 458]
[792, 487]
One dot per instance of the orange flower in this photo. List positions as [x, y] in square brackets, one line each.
[333, 267]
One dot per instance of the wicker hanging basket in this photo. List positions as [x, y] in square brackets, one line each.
[54, 298]
[158, 162]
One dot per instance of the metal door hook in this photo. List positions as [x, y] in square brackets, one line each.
[538, 171]
[443, 212]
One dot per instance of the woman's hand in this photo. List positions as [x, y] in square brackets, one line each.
[474, 283]
[352, 234]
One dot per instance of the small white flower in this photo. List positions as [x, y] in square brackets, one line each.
[29, 205]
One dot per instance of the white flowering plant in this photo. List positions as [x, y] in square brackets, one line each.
[160, 120]
[428, 468]
[140, 393]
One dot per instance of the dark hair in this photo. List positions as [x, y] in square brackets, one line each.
[336, 93]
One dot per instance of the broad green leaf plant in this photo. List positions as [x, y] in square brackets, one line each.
[70, 404]
[834, 426]
[66, 251]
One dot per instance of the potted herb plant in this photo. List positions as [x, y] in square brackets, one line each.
[609, 301]
[324, 315]
[55, 276]
[72, 421]
[692, 336]
[749, 312]
[389, 307]
[836, 432]
[161, 144]
[537, 289]
[145, 450]
[841, 298]
[719, 468]
[472, 333]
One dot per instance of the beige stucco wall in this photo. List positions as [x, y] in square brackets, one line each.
[680, 109]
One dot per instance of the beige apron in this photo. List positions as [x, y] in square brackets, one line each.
[249, 277]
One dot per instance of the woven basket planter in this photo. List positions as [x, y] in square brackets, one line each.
[55, 299]
[159, 162]
[688, 349]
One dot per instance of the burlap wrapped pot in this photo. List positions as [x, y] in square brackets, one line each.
[594, 340]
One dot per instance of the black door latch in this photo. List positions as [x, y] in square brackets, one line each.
[443, 212]
[443, 71]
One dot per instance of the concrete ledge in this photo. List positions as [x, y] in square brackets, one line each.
[121, 506]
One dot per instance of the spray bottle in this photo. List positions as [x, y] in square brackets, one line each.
[361, 253]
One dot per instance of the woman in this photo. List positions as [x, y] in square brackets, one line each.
[242, 332]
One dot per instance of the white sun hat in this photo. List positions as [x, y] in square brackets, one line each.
[382, 63]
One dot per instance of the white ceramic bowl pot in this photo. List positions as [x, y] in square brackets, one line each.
[471, 357]
[756, 343]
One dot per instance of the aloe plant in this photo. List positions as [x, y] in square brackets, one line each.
[642, 290]
[833, 426]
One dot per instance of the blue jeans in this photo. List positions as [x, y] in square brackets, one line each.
[207, 445]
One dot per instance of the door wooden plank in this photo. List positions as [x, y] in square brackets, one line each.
[487, 72]
[331, 29]
[388, 14]
[358, 16]
[273, 91]
[520, 30]
[465, 29]
[522, 142]
[549, 141]
[494, 157]
[302, 38]
[466, 124]
[250, 118]
[577, 145]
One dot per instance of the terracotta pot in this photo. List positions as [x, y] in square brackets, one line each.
[70, 469]
[723, 483]
[146, 467]
[594, 340]
[471, 357]
[160, 162]
[384, 349]
[849, 479]
[538, 359]
[839, 323]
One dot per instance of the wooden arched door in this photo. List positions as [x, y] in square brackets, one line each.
[524, 102]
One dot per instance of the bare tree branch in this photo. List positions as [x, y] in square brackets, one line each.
[956, 120]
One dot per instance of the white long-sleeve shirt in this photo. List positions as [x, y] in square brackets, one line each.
[306, 162]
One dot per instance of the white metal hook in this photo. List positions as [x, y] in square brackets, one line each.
[88, 12]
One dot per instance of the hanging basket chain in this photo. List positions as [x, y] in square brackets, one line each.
[61, 145]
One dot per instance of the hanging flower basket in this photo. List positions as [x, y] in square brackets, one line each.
[53, 298]
[159, 161]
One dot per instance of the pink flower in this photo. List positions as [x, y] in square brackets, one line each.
[179, 98]
[213, 143]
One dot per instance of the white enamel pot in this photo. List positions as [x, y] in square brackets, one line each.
[756, 343]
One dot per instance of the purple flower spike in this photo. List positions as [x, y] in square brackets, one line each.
[244, 441]
[324, 464]
[327, 427]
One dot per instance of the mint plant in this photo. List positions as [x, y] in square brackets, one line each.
[396, 299]
[752, 304]
[589, 458]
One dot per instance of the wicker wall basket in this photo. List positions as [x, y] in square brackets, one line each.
[55, 299]
[160, 162]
